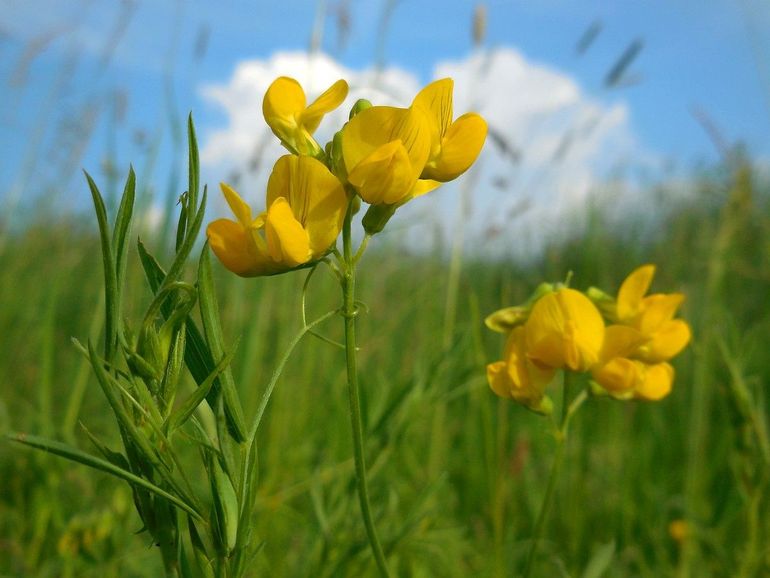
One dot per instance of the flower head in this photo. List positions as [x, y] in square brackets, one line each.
[306, 204]
[385, 150]
[290, 118]
[454, 145]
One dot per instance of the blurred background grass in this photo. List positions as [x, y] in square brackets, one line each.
[677, 488]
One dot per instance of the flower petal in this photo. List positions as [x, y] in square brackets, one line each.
[564, 329]
[460, 147]
[667, 342]
[656, 383]
[633, 290]
[287, 241]
[619, 375]
[498, 378]
[232, 245]
[380, 125]
[284, 101]
[657, 310]
[385, 176]
[436, 101]
[327, 102]
[621, 341]
[238, 206]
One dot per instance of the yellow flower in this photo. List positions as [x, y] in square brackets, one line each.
[517, 377]
[291, 120]
[306, 206]
[454, 145]
[564, 330]
[622, 375]
[385, 150]
[652, 316]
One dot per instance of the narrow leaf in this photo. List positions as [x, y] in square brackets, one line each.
[76, 455]
[181, 415]
[193, 164]
[110, 277]
[213, 329]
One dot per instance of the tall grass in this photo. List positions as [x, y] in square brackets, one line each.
[456, 475]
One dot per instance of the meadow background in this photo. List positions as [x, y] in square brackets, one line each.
[620, 136]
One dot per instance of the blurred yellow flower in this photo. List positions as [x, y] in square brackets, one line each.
[306, 206]
[291, 120]
[454, 145]
[564, 330]
[633, 362]
[385, 150]
[652, 316]
[517, 377]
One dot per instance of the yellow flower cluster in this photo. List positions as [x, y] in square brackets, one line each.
[624, 343]
[384, 155]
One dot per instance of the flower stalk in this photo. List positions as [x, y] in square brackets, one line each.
[349, 314]
[560, 434]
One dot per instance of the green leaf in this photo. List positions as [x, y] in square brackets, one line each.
[112, 313]
[212, 327]
[76, 455]
[183, 253]
[181, 415]
[123, 228]
[193, 164]
[197, 355]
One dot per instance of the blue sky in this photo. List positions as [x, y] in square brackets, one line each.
[63, 62]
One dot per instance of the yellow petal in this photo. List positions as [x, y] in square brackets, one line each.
[436, 101]
[380, 125]
[459, 148]
[385, 176]
[327, 102]
[667, 342]
[519, 377]
[233, 247]
[657, 310]
[284, 101]
[287, 241]
[632, 290]
[423, 186]
[317, 198]
[621, 341]
[498, 379]
[656, 383]
[240, 209]
[619, 375]
[565, 329]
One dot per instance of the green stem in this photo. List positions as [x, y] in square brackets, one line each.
[568, 410]
[349, 313]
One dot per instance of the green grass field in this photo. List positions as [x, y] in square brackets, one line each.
[675, 488]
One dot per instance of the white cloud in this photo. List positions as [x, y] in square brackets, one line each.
[551, 143]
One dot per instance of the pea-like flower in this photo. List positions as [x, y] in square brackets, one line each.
[385, 150]
[291, 120]
[517, 377]
[306, 205]
[634, 360]
[623, 375]
[564, 331]
[653, 316]
[454, 145]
